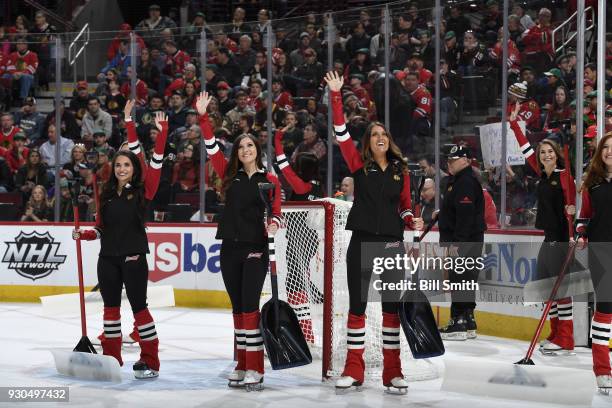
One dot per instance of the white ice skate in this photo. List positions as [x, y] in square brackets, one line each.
[347, 383]
[554, 350]
[253, 381]
[236, 379]
[143, 372]
[397, 386]
[544, 342]
[604, 384]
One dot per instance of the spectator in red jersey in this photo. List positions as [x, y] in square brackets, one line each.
[17, 153]
[419, 130]
[538, 42]
[7, 129]
[104, 167]
[224, 41]
[529, 111]
[124, 34]
[356, 81]
[256, 100]
[175, 59]
[282, 98]
[514, 56]
[415, 64]
[21, 67]
[142, 90]
[189, 76]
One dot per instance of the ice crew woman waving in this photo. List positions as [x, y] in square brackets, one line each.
[244, 251]
[120, 226]
[380, 211]
[556, 201]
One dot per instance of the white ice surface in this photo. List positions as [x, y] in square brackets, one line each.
[196, 350]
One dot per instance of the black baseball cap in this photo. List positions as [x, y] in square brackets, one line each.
[458, 151]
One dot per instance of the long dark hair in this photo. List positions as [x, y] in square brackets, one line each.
[596, 172]
[394, 154]
[136, 186]
[235, 164]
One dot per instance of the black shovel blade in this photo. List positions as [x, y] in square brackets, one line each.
[84, 346]
[419, 326]
[283, 339]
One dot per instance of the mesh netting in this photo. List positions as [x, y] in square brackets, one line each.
[301, 269]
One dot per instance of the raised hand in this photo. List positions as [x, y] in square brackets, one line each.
[334, 81]
[515, 112]
[160, 116]
[127, 110]
[202, 102]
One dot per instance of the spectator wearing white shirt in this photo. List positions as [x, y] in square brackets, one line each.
[47, 150]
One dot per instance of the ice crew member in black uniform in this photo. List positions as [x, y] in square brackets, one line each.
[461, 223]
[595, 226]
[120, 226]
[302, 241]
[556, 193]
[244, 249]
[379, 215]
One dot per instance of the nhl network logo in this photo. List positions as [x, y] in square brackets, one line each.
[33, 255]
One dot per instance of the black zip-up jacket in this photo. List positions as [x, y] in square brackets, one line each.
[123, 232]
[382, 198]
[242, 219]
[597, 207]
[554, 193]
[461, 217]
[120, 220]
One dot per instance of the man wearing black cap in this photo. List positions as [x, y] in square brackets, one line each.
[461, 223]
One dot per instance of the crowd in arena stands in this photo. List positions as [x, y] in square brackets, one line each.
[167, 73]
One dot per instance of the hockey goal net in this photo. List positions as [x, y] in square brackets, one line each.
[311, 266]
